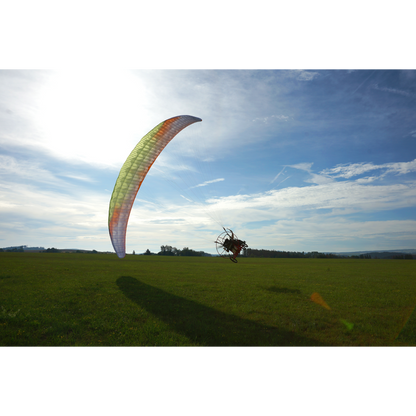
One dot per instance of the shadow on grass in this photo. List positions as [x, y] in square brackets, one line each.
[276, 289]
[204, 325]
[5, 276]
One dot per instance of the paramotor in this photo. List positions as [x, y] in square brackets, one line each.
[228, 245]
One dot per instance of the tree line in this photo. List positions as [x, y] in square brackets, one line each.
[252, 252]
[173, 251]
[262, 253]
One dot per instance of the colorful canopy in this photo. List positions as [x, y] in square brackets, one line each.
[134, 171]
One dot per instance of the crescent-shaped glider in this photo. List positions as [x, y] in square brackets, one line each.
[134, 171]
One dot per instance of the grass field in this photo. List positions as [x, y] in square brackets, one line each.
[99, 300]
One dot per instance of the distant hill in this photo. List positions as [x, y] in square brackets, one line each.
[22, 249]
[379, 254]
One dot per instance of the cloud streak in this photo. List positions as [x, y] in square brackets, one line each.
[363, 83]
[207, 183]
[280, 173]
[355, 169]
[393, 90]
[17, 170]
[267, 119]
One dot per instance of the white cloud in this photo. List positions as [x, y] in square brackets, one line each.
[401, 168]
[350, 170]
[294, 202]
[318, 179]
[302, 166]
[315, 217]
[46, 217]
[367, 179]
[333, 234]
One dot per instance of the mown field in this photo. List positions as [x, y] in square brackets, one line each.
[100, 300]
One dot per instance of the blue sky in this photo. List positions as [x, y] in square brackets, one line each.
[295, 160]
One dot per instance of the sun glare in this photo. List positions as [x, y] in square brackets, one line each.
[91, 116]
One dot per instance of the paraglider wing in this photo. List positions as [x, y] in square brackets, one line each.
[134, 171]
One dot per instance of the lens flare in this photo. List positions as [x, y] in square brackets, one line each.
[349, 325]
[317, 298]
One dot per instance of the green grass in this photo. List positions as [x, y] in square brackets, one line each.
[97, 299]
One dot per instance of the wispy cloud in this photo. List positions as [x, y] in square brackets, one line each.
[267, 119]
[301, 74]
[82, 178]
[348, 171]
[393, 90]
[207, 183]
[184, 197]
[20, 170]
[302, 166]
[29, 171]
[315, 178]
[355, 169]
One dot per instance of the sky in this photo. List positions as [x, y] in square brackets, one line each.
[293, 160]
